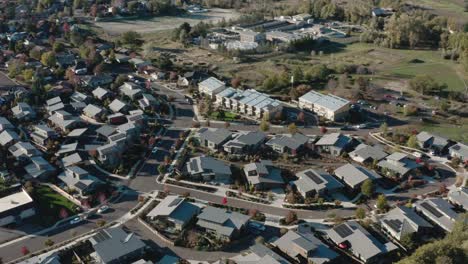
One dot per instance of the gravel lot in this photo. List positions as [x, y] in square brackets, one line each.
[166, 22]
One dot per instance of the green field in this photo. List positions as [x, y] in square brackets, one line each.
[454, 132]
[449, 8]
[50, 203]
[228, 116]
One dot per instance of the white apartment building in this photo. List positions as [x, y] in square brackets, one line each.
[328, 106]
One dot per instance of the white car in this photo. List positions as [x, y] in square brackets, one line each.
[75, 220]
[154, 150]
[103, 209]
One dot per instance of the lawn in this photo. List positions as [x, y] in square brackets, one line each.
[228, 116]
[454, 132]
[50, 204]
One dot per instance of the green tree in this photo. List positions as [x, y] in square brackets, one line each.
[412, 142]
[408, 241]
[384, 129]
[264, 125]
[367, 188]
[48, 59]
[360, 213]
[132, 39]
[292, 128]
[382, 202]
[48, 242]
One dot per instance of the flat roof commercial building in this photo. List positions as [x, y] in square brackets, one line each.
[328, 106]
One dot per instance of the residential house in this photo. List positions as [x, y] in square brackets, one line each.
[438, 145]
[93, 111]
[214, 138]
[5, 124]
[8, 137]
[208, 168]
[116, 119]
[23, 111]
[66, 149]
[77, 133]
[39, 168]
[367, 154]
[23, 150]
[147, 101]
[354, 175]
[15, 205]
[460, 151]
[101, 93]
[261, 254]
[263, 175]
[79, 97]
[289, 144]
[355, 238]
[93, 81]
[131, 132]
[42, 133]
[72, 159]
[245, 143]
[316, 182]
[304, 246]
[118, 106]
[55, 107]
[65, 60]
[114, 245]
[402, 220]
[109, 154]
[222, 223]
[131, 90]
[80, 180]
[175, 210]
[64, 120]
[397, 164]
[53, 101]
[328, 106]
[334, 143]
[459, 197]
[438, 211]
[211, 87]
[77, 107]
[105, 131]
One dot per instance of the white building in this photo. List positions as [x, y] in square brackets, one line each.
[328, 106]
[15, 204]
[211, 86]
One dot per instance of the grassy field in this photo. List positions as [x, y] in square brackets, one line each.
[50, 203]
[449, 8]
[454, 132]
[228, 116]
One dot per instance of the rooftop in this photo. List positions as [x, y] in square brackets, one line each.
[354, 175]
[330, 102]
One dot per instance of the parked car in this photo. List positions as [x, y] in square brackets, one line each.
[103, 209]
[75, 220]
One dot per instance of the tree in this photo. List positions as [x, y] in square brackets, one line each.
[367, 188]
[48, 242]
[131, 39]
[290, 217]
[101, 223]
[259, 240]
[407, 241]
[412, 142]
[426, 84]
[292, 128]
[382, 202]
[264, 125]
[384, 129]
[48, 59]
[360, 213]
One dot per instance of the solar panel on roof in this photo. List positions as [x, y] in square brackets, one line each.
[194, 165]
[394, 224]
[343, 231]
[80, 185]
[314, 177]
[431, 209]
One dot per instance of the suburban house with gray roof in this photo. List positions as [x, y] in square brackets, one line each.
[438, 211]
[23, 111]
[397, 164]
[5, 124]
[263, 175]
[460, 151]
[259, 254]
[176, 210]
[208, 168]
[403, 220]
[304, 246]
[94, 81]
[333, 143]
[72, 159]
[115, 246]
[79, 180]
[354, 175]
[117, 106]
[79, 97]
[214, 138]
[437, 144]
[101, 93]
[105, 131]
[312, 182]
[211, 86]
[93, 111]
[39, 168]
[66, 149]
[64, 120]
[42, 134]
[328, 106]
[23, 150]
[289, 144]
[367, 154]
[355, 238]
[132, 90]
[459, 197]
[8, 137]
[224, 224]
[147, 101]
[109, 154]
[245, 143]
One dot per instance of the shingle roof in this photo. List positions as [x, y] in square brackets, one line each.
[105, 130]
[113, 243]
[116, 105]
[92, 110]
[8, 136]
[403, 220]
[364, 152]
[224, 222]
[211, 84]
[354, 175]
[460, 197]
[207, 164]
[217, 136]
[311, 179]
[334, 139]
[439, 211]
[291, 141]
[330, 101]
